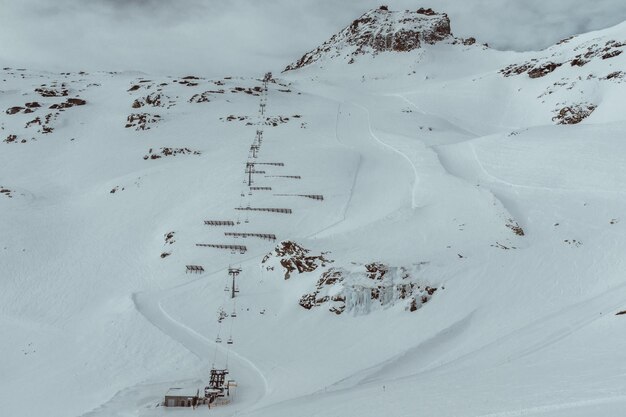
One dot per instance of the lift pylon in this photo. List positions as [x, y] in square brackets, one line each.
[233, 272]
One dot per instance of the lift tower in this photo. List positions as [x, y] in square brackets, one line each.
[233, 272]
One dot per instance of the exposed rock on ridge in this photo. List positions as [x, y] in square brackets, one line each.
[292, 257]
[382, 30]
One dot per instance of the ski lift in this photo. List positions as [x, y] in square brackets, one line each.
[218, 340]
[233, 314]
[230, 341]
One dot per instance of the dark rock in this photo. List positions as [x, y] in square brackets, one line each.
[76, 101]
[51, 92]
[293, 257]
[571, 115]
[14, 110]
[427, 12]
[578, 61]
[543, 70]
[612, 54]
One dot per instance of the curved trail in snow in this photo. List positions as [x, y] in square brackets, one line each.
[370, 172]
[379, 174]
[399, 152]
[356, 174]
[376, 171]
[378, 168]
[149, 304]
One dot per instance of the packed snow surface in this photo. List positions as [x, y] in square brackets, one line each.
[495, 199]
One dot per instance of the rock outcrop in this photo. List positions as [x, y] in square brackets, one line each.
[574, 114]
[382, 30]
[291, 257]
[562, 54]
[368, 287]
[357, 288]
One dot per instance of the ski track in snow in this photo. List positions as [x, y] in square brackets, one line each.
[496, 179]
[352, 186]
[150, 305]
[396, 150]
[557, 407]
[505, 314]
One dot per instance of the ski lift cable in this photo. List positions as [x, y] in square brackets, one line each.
[222, 316]
[230, 341]
[217, 340]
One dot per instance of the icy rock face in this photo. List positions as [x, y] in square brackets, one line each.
[382, 30]
[360, 288]
[292, 257]
[367, 288]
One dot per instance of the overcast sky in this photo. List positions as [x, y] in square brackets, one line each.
[243, 37]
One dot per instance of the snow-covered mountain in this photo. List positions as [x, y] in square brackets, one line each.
[425, 226]
[383, 30]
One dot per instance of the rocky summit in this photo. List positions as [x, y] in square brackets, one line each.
[382, 30]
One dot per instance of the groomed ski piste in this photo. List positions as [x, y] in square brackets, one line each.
[430, 160]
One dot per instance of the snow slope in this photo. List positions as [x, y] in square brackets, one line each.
[438, 161]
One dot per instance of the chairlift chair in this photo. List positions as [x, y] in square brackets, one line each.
[218, 340]
[233, 314]
[230, 341]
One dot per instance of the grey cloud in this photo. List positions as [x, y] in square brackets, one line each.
[249, 37]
